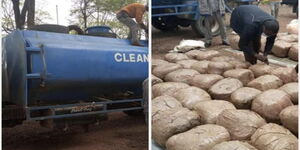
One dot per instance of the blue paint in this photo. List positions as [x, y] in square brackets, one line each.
[75, 67]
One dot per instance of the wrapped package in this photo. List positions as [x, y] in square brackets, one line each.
[172, 121]
[201, 66]
[162, 70]
[265, 82]
[218, 67]
[270, 103]
[289, 118]
[205, 81]
[202, 137]
[223, 88]
[241, 124]
[181, 75]
[243, 97]
[274, 137]
[244, 75]
[187, 64]
[174, 57]
[292, 90]
[190, 96]
[167, 88]
[162, 103]
[210, 110]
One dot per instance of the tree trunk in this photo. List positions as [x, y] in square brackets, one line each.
[31, 14]
[20, 17]
[17, 13]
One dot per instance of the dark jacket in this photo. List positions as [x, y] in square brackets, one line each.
[247, 21]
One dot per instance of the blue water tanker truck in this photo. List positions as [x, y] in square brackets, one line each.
[61, 79]
[170, 14]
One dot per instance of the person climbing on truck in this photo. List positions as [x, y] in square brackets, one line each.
[250, 23]
[126, 15]
[213, 9]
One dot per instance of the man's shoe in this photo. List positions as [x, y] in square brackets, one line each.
[207, 44]
[225, 42]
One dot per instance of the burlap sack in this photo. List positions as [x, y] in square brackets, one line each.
[161, 70]
[190, 96]
[207, 55]
[288, 37]
[243, 97]
[187, 64]
[241, 124]
[210, 110]
[233, 145]
[193, 53]
[181, 75]
[265, 82]
[281, 48]
[292, 27]
[289, 118]
[244, 75]
[286, 74]
[239, 64]
[270, 103]
[292, 90]
[155, 80]
[293, 53]
[234, 42]
[274, 137]
[162, 103]
[201, 66]
[167, 88]
[224, 59]
[174, 57]
[172, 121]
[157, 62]
[223, 88]
[260, 69]
[205, 81]
[203, 137]
[218, 67]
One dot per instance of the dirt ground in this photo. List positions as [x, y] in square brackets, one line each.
[120, 132]
[162, 42]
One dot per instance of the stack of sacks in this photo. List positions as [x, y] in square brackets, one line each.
[201, 103]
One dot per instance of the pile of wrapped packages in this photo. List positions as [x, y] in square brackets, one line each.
[207, 101]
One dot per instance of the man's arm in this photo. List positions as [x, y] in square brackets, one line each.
[269, 44]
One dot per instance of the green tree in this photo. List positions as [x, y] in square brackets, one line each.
[101, 12]
[8, 17]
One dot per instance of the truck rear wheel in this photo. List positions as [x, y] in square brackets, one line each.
[166, 23]
[199, 27]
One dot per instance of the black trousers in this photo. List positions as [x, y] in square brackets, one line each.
[255, 47]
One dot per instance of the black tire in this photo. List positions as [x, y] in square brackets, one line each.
[166, 23]
[199, 27]
[50, 28]
[75, 28]
[103, 34]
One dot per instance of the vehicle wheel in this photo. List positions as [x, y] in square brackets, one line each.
[75, 28]
[199, 27]
[50, 28]
[167, 23]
